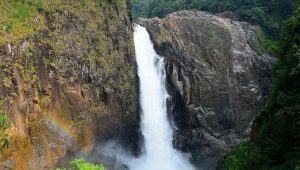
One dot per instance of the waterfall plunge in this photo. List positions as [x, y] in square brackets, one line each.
[159, 153]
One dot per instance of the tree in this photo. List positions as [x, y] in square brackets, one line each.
[267, 13]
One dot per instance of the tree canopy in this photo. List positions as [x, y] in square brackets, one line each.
[267, 13]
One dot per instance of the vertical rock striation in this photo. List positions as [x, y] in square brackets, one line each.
[66, 79]
[218, 79]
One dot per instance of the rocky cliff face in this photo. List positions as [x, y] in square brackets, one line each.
[67, 78]
[218, 79]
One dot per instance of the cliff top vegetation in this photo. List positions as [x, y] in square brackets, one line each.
[267, 13]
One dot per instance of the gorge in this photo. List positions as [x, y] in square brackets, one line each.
[90, 79]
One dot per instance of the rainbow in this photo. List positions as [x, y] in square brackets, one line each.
[64, 128]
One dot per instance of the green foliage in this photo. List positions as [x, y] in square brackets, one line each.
[271, 47]
[276, 143]
[245, 156]
[4, 125]
[268, 13]
[80, 164]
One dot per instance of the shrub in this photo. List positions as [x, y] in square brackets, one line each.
[80, 164]
[4, 125]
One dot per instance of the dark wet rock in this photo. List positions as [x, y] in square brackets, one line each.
[218, 78]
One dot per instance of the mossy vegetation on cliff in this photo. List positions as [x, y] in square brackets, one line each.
[18, 20]
[67, 64]
[23, 18]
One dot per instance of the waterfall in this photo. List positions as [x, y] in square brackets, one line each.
[158, 152]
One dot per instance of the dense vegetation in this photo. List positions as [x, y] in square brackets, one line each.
[275, 141]
[268, 13]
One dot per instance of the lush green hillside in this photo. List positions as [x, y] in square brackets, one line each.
[275, 140]
[268, 13]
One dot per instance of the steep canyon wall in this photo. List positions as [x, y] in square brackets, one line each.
[67, 77]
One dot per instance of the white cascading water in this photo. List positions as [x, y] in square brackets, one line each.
[159, 153]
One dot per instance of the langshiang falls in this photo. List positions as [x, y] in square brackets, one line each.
[149, 85]
[155, 126]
